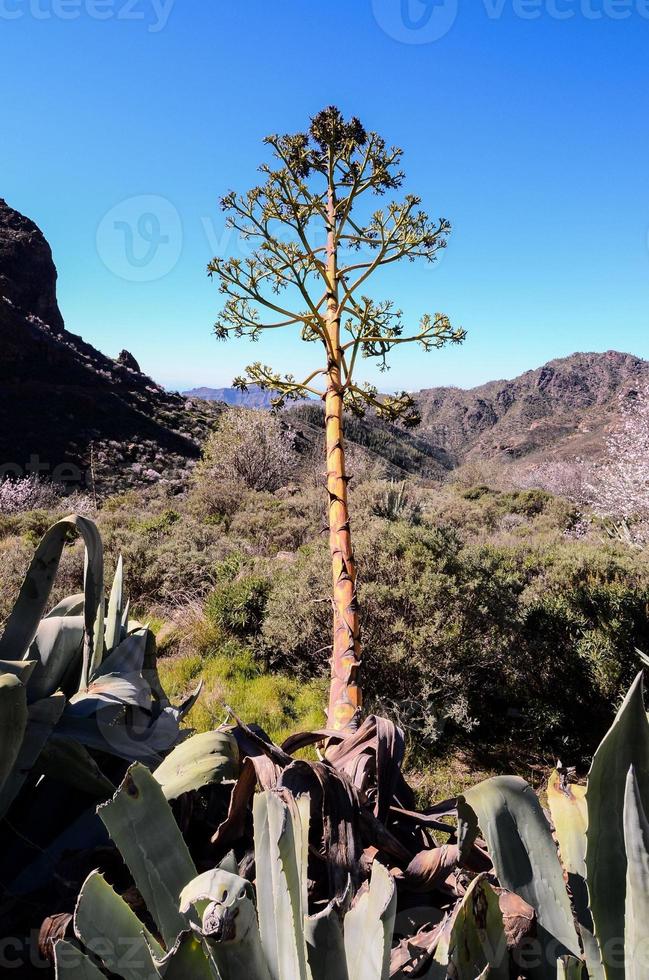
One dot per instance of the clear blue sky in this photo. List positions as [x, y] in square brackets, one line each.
[523, 121]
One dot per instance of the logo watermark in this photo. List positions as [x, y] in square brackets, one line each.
[141, 238]
[426, 21]
[153, 13]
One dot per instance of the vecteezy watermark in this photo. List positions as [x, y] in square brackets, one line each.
[141, 238]
[66, 473]
[425, 21]
[154, 13]
[415, 21]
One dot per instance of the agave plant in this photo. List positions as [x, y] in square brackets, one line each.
[79, 674]
[80, 699]
[599, 926]
[216, 925]
[510, 890]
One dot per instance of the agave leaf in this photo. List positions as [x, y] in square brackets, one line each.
[115, 609]
[368, 928]
[128, 732]
[128, 656]
[141, 823]
[570, 968]
[71, 964]
[29, 608]
[188, 960]
[57, 650]
[625, 745]
[325, 944]
[189, 701]
[524, 855]
[107, 927]
[478, 939]
[42, 716]
[229, 863]
[125, 622]
[209, 757]
[71, 605]
[279, 834]
[567, 804]
[22, 669]
[636, 913]
[122, 689]
[13, 721]
[68, 761]
[224, 907]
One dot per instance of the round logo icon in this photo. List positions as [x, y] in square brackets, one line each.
[141, 238]
[415, 21]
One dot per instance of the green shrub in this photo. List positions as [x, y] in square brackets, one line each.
[534, 643]
[238, 606]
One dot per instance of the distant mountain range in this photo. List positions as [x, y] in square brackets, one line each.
[64, 402]
[254, 397]
[563, 409]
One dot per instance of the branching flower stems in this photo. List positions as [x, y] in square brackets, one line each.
[321, 179]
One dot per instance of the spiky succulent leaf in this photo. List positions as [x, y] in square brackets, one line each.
[478, 941]
[636, 912]
[22, 669]
[113, 631]
[625, 745]
[368, 928]
[70, 605]
[108, 928]
[224, 911]
[520, 844]
[57, 650]
[281, 841]
[71, 964]
[140, 821]
[13, 721]
[69, 762]
[187, 960]
[205, 758]
[325, 945]
[567, 803]
[41, 719]
[29, 608]
[570, 968]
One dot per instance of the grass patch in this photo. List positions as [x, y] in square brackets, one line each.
[279, 703]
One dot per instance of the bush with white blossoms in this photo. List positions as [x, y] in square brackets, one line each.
[21, 494]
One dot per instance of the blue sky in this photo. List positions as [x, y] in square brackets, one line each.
[523, 121]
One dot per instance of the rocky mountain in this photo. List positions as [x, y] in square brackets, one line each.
[68, 411]
[561, 410]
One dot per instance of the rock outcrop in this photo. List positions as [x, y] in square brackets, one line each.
[63, 404]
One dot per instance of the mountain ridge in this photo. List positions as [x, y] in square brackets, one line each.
[66, 404]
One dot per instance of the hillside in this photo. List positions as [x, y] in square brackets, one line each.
[62, 401]
[562, 409]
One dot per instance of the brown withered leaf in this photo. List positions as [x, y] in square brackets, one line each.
[519, 918]
[429, 869]
[53, 928]
[335, 810]
[413, 954]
